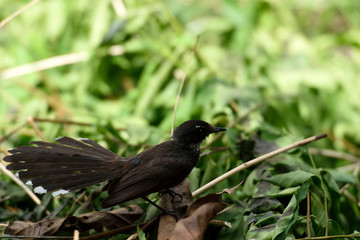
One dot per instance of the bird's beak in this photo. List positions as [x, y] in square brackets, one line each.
[218, 129]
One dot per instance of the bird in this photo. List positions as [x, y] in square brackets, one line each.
[70, 164]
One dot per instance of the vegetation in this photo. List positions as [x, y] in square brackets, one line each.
[273, 72]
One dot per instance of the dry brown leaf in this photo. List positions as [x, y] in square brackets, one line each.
[94, 220]
[231, 190]
[198, 217]
[42, 228]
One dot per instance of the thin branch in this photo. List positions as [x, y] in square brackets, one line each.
[76, 235]
[182, 84]
[214, 151]
[234, 106]
[21, 184]
[347, 168]
[328, 237]
[34, 237]
[145, 228]
[220, 223]
[44, 64]
[356, 169]
[334, 154]
[10, 174]
[326, 216]
[36, 119]
[77, 200]
[344, 187]
[30, 120]
[9, 18]
[119, 8]
[255, 161]
[352, 198]
[308, 213]
[113, 232]
[12, 132]
[348, 195]
[56, 61]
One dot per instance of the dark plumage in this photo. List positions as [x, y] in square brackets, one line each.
[71, 164]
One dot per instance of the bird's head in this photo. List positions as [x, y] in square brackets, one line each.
[194, 131]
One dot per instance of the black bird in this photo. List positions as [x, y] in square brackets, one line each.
[70, 164]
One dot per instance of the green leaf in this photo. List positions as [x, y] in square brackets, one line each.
[343, 177]
[194, 179]
[210, 172]
[259, 205]
[290, 179]
[317, 207]
[141, 234]
[264, 188]
[290, 214]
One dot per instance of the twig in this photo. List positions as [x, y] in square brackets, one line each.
[145, 228]
[182, 84]
[9, 18]
[326, 216]
[10, 174]
[255, 161]
[76, 235]
[36, 119]
[12, 132]
[347, 194]
[119, 8]
[328, 237]
[214, 151]
[30, 120]
[113, 232]
[220, 223]
[334, 154]
[344, 187]
[356, 169]
[234, 106]
[53, 62]
[347, 168]
[21, 184]
[44, 64]
[308, 213]
[77, 200]
[34, 237]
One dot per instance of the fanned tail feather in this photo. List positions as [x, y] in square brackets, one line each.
[68, 164]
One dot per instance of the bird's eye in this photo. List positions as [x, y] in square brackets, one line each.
[199, 127]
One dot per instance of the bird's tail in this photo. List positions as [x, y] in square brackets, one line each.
[68, 164]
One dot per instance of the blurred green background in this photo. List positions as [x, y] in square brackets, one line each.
[292, 67]
[298, 57]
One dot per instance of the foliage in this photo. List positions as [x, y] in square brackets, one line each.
[277, 71]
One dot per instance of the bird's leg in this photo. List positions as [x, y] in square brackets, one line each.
[172, 193]
[167, 212]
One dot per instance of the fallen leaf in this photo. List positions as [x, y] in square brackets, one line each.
[42, 228]
[197, 218]
[94, 220]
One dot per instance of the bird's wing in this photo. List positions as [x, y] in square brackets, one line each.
[152, 171]
[136, 185]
